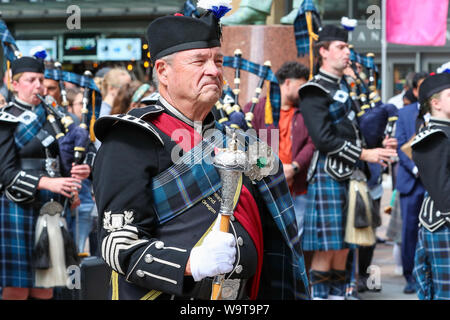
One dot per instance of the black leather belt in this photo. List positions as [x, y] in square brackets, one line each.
[32, 164]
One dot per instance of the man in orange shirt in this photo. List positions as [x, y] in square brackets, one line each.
[295, 147]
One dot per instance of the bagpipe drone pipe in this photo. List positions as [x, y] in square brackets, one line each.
[92, 99]
[73, 146]
[228, 108]
[375, 118]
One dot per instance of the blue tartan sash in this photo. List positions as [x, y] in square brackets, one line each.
[194, 177]
[24, 133]
[185, 183]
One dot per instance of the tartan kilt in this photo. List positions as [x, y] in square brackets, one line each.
[17, 233]
[432, 263]
[324, 224]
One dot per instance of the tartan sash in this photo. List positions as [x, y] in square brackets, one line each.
[193, 177]
[24, 133]
[277, 197]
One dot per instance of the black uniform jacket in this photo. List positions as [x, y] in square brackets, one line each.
[331, 133]
[431, 154]
[19, 174]
[145, 254]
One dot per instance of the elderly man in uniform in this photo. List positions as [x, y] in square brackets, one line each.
[431, 154]
[158, 233]
[331, 121]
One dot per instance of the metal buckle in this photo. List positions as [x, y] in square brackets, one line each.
[27, 117]
[52, 166]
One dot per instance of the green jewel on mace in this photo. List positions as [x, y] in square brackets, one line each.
[261, 162]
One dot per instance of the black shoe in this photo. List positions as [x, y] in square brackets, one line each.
[379, 240]
[362, 285]
[410, 288]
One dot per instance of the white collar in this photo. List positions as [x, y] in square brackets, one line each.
[182, 117]
[329, 76]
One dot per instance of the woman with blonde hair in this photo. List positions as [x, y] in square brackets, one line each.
[129, 97]
[111, 84]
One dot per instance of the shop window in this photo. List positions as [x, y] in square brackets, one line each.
[399, 74]
[433, 66]
[360, 8]
[333, 9]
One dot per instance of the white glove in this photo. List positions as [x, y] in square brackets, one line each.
[215, 256]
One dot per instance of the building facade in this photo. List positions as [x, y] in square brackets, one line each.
[88, 34]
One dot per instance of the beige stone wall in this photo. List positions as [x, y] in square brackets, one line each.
[259, 44]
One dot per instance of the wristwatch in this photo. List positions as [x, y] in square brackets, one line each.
[295, 167]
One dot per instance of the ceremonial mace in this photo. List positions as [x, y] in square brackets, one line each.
[231, 164]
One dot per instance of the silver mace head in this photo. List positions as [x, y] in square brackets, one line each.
[231, 163]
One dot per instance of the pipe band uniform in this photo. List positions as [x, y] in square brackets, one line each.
[339, 213]
[160, 222]
[431, 154]
[32, 252]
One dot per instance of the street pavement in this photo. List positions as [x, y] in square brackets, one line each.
[392, 284]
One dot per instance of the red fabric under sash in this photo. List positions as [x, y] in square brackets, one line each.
[246, 211]
[180, 132]
[247, 214]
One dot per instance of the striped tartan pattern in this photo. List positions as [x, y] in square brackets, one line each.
[193, 177]
[24, 133]
[324, 217]
[275, 192]
[71, 77]
[432, 264]
[339, 110]
[259, 70]
[301, 28]
[81, 81]
[17, 232]
[18, 221]
[7, 37]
